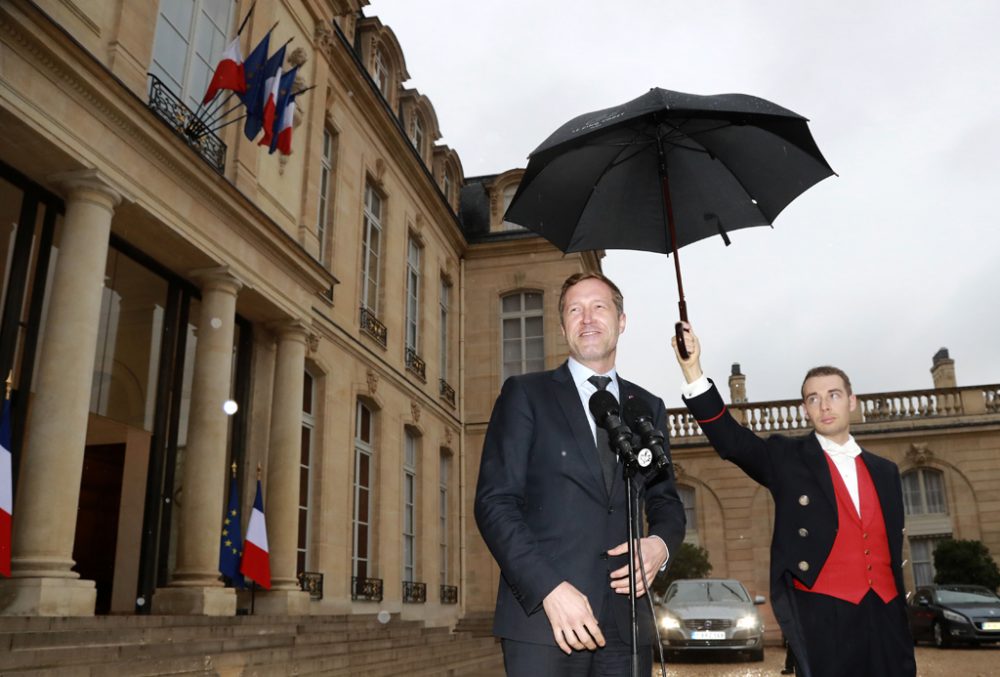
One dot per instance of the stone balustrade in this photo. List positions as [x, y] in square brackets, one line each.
[875, 412]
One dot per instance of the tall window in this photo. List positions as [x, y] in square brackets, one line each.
[381, 73]
[444, 300]
[447, 184]
[417, 136]
[372, 249]
[409, 506]
[190, 38]
[687, 496]
[413, 256]
[443, 516]
[923, 492]
[363, 453]
[508, 197]
[305, 473]
[922, 554]
[326, 182]
[523, 345]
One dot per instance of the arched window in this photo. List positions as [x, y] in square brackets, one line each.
[687, 496]
[364, 451]
[523, 342]
[923, 492]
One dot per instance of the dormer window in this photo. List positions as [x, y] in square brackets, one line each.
[417, 134]
[381, 73]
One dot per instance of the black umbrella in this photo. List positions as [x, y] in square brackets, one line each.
[622, 177]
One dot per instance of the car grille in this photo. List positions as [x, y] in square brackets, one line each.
[708, 624]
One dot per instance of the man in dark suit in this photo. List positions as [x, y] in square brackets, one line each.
[836, 552]
[550, 504]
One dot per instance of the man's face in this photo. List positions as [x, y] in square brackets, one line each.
[829, 406]
[591, 324]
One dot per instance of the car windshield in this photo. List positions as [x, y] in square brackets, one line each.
[966, 596]
[706, 591]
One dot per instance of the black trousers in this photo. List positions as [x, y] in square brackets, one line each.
[524, 659]
[869, 639]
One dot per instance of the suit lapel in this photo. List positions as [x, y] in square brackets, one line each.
[568, 398]
[815, 459]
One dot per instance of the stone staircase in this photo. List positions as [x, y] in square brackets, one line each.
[476, 623]
[348, 646]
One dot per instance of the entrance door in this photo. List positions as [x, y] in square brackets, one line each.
[97, 518]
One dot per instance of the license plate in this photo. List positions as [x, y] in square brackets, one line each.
[991, 625]
[708, 634]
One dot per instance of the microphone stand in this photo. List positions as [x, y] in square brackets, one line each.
[629, 468]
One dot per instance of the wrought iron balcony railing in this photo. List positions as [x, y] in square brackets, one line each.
[447, 393]
[367, 589]
[415, 364]
[414, 592]
[193, 129]
[371, 326]
[311, 582]
[449, 594]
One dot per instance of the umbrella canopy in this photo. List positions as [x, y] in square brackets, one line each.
[610, 179]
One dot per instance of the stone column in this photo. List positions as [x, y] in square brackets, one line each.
[42, 583]
[283, 456]
[196, 588]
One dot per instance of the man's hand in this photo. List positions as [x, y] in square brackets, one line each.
[572, 620]
[691, 367]
[654, 555]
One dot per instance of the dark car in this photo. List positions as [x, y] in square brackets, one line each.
[950, 614]
[710, 614]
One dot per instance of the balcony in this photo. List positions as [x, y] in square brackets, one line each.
[193, 129]
[877, 412]
[371, 326]
[311, 582]
[416, 365]
[447, 393]
[414, 592]
[366, 589]
[449, 594]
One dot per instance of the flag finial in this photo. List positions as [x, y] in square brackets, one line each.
[233, 466]
[258, 471]
[10, 384]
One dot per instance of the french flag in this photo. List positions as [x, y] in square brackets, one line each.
[272, 91]
[284, 116]
[228, 73]
[256, 564]
[6, 489]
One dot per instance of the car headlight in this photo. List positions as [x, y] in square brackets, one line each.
[746, 623]
[952, 616]
[670, 623]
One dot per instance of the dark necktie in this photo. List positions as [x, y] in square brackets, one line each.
[607, 457]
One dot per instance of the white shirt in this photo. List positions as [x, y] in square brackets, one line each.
[842, 455]
[585, 389]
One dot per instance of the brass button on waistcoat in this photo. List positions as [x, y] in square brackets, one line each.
[803, 500]
[803, 532]
[803, 566]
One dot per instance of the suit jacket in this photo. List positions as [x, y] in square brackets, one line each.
[544, 510]
[796, 473]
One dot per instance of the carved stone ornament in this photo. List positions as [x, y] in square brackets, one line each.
[372, 382]
[298, 57]
[323, 34]
[312, 343]
[415, 411]
[379, 169]
[919, 454]
[519, 278]
[678, 469]
[447, 436]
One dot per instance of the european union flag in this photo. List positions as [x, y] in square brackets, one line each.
[231, 543]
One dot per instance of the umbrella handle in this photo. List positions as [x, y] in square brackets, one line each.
[681, 348]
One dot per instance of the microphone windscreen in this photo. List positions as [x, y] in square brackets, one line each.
[636, 408]
[601, 404]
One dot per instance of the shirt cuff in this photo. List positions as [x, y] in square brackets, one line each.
[695, 388]
[662, 568]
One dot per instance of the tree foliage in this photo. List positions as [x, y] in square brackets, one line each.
[691, 561]
[965, 562]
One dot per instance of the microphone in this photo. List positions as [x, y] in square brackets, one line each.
[604, 407]
[640, 418]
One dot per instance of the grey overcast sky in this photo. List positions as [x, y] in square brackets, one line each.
[873, 270]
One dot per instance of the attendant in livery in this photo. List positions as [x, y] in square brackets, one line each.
[550, 504]
[836, 569]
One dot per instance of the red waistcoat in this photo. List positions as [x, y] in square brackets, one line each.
[859, 560]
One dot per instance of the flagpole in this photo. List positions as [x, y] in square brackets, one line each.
[253, 586]
[213, 114]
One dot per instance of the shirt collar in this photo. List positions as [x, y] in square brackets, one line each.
[849, 448]
[581, 373]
